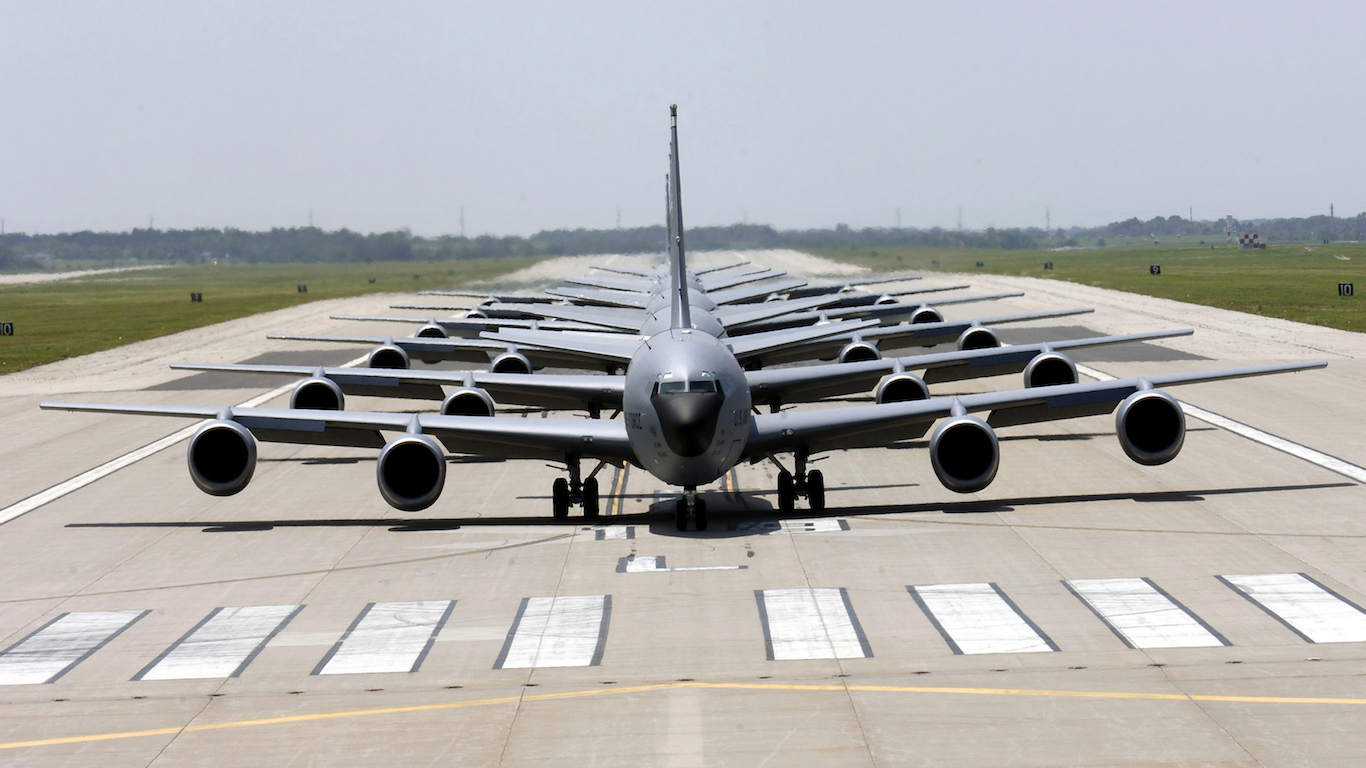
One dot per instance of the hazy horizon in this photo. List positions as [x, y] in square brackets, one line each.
[534, 116]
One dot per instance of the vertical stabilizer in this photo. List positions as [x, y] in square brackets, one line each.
[681, 316]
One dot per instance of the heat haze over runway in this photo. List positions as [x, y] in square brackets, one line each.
[1082, 609]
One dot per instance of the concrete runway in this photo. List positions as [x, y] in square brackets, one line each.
[1082, 610]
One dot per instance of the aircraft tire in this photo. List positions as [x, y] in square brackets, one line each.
[590, 498]
[787, 492]
[559, 498]
[699, 515]
[815, 490]
[681, 515]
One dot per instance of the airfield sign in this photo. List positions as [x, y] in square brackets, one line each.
[6, 329]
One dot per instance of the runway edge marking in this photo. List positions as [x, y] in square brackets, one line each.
[1330, 463]
[24, 506]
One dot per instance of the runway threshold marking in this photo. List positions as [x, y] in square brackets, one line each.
[222, 645]
[1142, 615]
[59, 645]
[620, 690]
[388, 637]
[810, 624]
[1309, 609]
[24, 506]
[1331, 463]
[614, 532]
[979, 618]
[561, 631]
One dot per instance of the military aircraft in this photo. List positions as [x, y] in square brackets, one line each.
[688, 420]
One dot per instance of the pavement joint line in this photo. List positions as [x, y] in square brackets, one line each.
[24, 506]
[811, 688]
[1330, 463]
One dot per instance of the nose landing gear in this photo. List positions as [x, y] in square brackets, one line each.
[809, 484]
[690, 506]
[564, 493]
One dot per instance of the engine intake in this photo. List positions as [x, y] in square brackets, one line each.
[885, 299]
[389, 356]
[318, 394]
[1151, 427]
[511, 362]
[965, 454]
[859, 352]
[926, 315]
[1049, 369]
[901, 388]
[432, 331]
[411, 472]
[468, 401]
[978, 337]
[222, 458]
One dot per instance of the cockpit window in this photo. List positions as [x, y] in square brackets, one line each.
[672, 387]
[702, 385]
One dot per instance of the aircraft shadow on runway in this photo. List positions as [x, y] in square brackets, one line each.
[728, 518]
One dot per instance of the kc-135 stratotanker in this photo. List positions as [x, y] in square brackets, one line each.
[687, 419]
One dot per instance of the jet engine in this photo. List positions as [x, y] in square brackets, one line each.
[222, 458]
[859, 351]
[978, 337]
[511, 362]
[432, 331]
[1048, 369]
[317, 394]
[476, 314]
[965, 454]
[1151, 427]
[926, 315]
[388, 356]
[467, 401]
[411, 472]
[885, 299]
[900, 388]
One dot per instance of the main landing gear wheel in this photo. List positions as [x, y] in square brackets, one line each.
[787, 492]
[815, 490]
[590, 498]
[559, 498]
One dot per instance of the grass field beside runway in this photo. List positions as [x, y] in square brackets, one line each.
[67, 318]
[1291, 281]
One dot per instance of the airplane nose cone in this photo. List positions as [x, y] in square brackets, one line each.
[688, 419]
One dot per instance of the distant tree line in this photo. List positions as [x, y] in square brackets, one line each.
[309, 244]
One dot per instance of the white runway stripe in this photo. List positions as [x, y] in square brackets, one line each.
[387, 637]
[655, 564]
[614, 532]
[979, 618]
[814, 525]
[565, 631]
[89, 476]
[222, 645]
[61, 644]
[1142, 615]
[1308, 608]
[810, 624]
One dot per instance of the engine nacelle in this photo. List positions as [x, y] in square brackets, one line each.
[1151, 427]
[901, 388]
[1049, 369]
[978, 337]
[511, 362]
[476, 314]
[926, 315]
[317, 394]
[885, 299]
[411, 472]
[965, 454]
[222, 458]
[432, 331]
[859, 352]
[467, 401]
[389, 356]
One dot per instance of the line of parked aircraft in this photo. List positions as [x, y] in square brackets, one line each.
[685, 357]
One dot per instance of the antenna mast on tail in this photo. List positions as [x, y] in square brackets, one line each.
[681, 316]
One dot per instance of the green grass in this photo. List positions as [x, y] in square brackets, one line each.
[66, 318]
[1285, 280]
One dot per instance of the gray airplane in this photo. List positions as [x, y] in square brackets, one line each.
[687, 420]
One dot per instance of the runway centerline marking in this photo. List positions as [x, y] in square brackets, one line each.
[1309, 609]
[1319, 458]
[810, 624]
[221, 645]
[979, 618]
[620, 690]
[1142, 615]
[59, 645]
[387, 637]
[24, 506]
[562, 631]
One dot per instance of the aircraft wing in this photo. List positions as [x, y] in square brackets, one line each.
[646, 273]
[757, 344]
[506, 438]
[886, 312]
[821, 290]
[870, 426]
[611, 317]
[722, 282]
[602, 297]
[612, 282]
[610, 347]
[719, 267]
[736, 315]
[755, 292]
[469, 327]
[507, 298]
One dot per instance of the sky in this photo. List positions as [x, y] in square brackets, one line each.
[533, 116]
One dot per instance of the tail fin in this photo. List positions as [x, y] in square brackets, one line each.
[681, 317]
